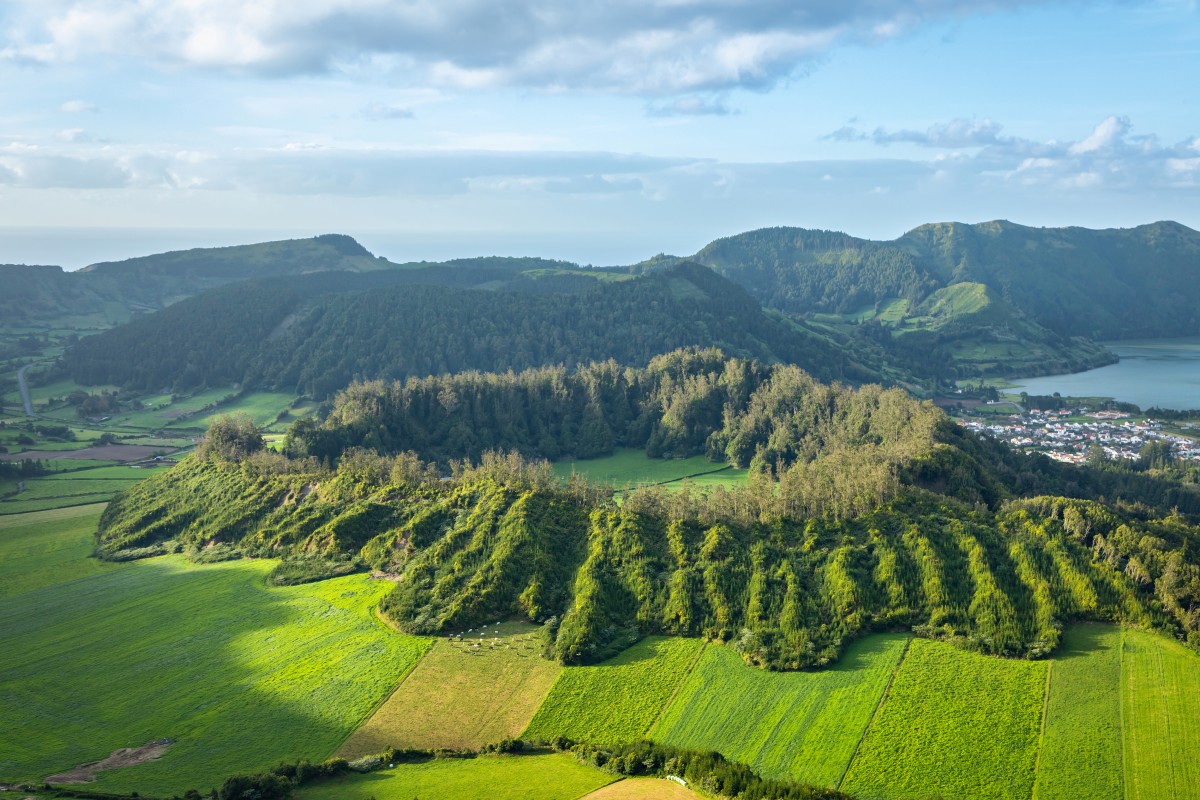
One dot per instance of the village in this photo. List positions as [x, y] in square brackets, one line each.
[1066, 434]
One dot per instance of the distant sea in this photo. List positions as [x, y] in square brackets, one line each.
[72, 248]
[1152, 372]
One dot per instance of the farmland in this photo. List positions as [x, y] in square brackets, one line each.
[618, 700]
[1160, 684]
[462, 695]
[1083, 718]
[80, 487]
[47, 547]
[553, 776]
[643, 789]
[804, 726]
[239, 675]
[926, 739]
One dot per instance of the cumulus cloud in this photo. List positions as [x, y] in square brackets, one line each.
[957, 133]
[1111, 155]
[641, 46]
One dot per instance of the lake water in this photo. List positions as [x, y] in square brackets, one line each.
[1152, 372]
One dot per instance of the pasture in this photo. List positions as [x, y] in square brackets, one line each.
[617, 700]
[241, 676]
[550, 776]
[47, 547]
[632, 468]
[953, 724]
[799, 725]
[462, 694]
[1160, 698]
[1080, 757]
[79, 487]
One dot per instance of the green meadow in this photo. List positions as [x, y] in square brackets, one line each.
[617, 700]
[241, 676]
[48, 547]
[1160, 701]
[632, 468]
[1082, 736]
[799, 725]
[953, 724]
[75, 488]
[552, 776]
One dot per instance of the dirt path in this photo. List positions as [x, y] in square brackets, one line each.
[23, 385]
[125, 757]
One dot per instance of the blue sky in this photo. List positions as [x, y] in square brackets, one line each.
[601, 132]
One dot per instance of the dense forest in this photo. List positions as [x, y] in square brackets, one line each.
[1101, 284]
[871, 511]
[301, 336]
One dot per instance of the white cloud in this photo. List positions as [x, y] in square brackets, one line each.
[619, 45]
[78, 107]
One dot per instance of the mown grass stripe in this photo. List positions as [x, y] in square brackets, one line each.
[874, 714]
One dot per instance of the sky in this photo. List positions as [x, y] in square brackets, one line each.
[598, 131]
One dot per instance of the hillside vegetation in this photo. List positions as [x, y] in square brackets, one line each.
[871, 512]
[1049, 291]
[302, 336]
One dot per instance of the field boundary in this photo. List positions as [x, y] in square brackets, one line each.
[875, 714]
[4, 513]
[375, 708]
[683, 679]
[1121, 712]
[1037, 760]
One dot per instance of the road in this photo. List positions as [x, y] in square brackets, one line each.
[25, 390]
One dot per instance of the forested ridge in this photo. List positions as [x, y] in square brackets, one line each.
[1101, 284]
[946, 537]
[302, 336]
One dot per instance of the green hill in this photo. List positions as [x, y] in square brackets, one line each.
[871, 511]
[317, 333]
[1063, 286]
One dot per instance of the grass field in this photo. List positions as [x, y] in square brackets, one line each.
[643, 789]
[70, 489]
[242, 676]
[462, 695]
[626, 468]
[618, 700]
[799, 725]
[262, 407]
[47, 547]
[552, 776]
[953, 724]
[1080, 757]
[1160, 687]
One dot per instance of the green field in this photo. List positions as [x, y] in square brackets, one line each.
[262, 407]
[48, 547]
[242, 676]
[629, 468]
[953, 724]
[552, 776]
[79, 487]
[800, 725]
[462, 695]
[1160, 702]
[1081, 745]
[619, 699]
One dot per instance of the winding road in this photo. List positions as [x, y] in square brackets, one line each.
[24, 387]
